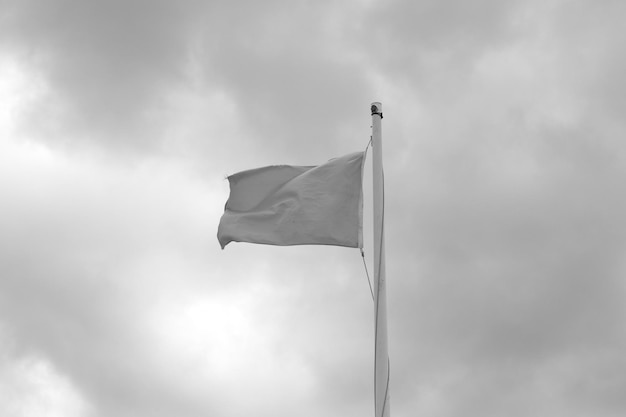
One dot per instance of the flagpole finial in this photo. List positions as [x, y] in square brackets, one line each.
[377, 108]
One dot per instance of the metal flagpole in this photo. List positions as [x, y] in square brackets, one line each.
[381, 356]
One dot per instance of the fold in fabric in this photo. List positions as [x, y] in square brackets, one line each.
[296, 205]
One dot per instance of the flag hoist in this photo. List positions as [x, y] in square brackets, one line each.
[317, 205]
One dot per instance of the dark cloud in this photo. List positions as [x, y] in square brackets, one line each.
[293, 83]
[108, 67]
[433, 45]
[111, 67]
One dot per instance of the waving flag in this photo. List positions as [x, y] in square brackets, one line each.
[296, 205]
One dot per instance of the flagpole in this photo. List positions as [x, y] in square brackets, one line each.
[381, 356]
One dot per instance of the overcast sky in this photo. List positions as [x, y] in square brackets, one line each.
[505, 166]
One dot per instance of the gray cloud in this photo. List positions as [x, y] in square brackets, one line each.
[108, 65]
[504, 165]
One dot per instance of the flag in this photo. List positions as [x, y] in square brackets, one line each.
[296, 205]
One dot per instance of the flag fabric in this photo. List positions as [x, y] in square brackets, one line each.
[296, 205]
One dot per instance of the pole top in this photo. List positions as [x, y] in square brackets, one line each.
[377, 108]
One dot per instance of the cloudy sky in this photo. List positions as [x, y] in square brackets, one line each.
[505, 162]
